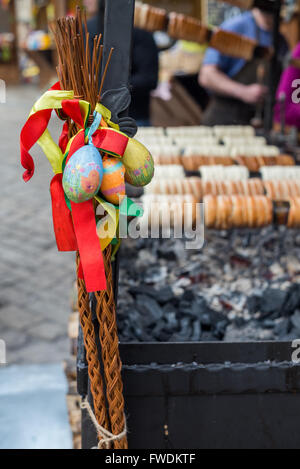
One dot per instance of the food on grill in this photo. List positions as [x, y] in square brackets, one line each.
[227, 212]
[169, 210]
[244, 187]
[184, 186]
[294, 213]
[282, 190]
[224, 173]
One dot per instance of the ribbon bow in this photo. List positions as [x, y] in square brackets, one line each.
[75, 224]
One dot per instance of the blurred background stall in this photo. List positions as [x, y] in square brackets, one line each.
[246, 175]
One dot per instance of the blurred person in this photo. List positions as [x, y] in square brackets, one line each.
[287, 108]
[144, 77]
[145, 65]
[234, 84]
[91, 7]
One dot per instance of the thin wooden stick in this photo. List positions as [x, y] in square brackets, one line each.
[105, 73]
[79, 61]
[99, 66]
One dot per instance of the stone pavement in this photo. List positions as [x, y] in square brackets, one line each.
[35, 280]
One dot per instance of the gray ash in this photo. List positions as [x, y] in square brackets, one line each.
[239, 287]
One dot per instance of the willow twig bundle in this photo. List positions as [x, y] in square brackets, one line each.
[79, 67]
[79, 70]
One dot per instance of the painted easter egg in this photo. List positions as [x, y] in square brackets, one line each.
[113, 183]
[83, 174]
[139, 164]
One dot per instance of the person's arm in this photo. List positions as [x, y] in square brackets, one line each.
[213, 79]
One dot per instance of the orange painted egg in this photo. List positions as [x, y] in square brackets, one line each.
[113, 182]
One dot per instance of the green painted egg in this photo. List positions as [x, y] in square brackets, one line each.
[138, 163]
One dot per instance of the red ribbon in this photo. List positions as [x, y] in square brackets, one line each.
[71, 108]
[109, 141]
[89, 246]
[76, 230]
[88, 243]
[62, 218]
[30, 134]
[64, 138]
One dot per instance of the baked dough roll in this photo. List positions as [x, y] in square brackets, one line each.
[237, 217]
[285, 160]
[210, 209]
[250, 212]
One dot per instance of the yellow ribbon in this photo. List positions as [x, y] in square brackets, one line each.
[106, 114]
[107, 227]
[51, 100]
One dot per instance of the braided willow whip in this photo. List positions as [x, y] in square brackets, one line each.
[96, 382]
[106, 313]
[79, 70]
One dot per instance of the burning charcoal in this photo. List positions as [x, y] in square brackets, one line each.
[207, 337]
[164, 295]
[202, 305]
[247, 333]
[254, 287]
[125, 333]
[239, 260]
[293, 300]
[196, 334]
[187, 309]
[189, 296]
[149, 309]
[240, 322]
[157, 332]
[182, 284]
[141, 335]
[185, 332]
[142, 289]
[164, 337]
[171, 322]
[253, 304]
[137, 320]
[155, 275]
[216, 316]
[282, 328]
[220, 329]
[169, 308]
[295, 320]
[206, 321]
[269, 324]
[272, 302]
[185, 326]
[168, 254]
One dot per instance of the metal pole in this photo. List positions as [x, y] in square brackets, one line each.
[101, 11]
[118, 33]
